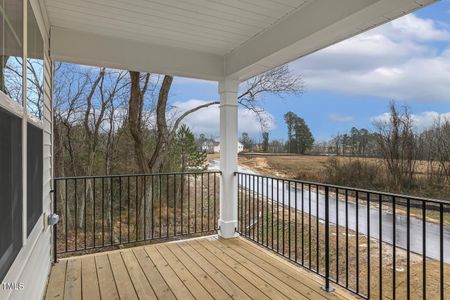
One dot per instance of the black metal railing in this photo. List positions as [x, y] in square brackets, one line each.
[107, 211]
[371, 243]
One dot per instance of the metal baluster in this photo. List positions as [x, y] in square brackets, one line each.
[262, 208]
[309, 224]
[317, 230]
[282, 215]
[380, 224]
[257, 208]
[195, 202]
[136, 213]
[327, 287]
[76, 216]
[167, 206]
[278, 216]
[289, 219]
[209, 220]
[153, 206]
[346, 238]
[408, 249]
[182, 202]
[55, 229]
[394, 248]
[111, 209]
[247, 207]
[128, 208]
[303, 227]
[145, 207]
[424, 251]
[120, 209]
[295, 222]
[93, 212]
[368, 244]
[85, 210]
[253, 207]
[441, 249]
[174, 205]
[65, 215]
[357, 241]
[267, 212]
[189, 204]
[272, 213]
[337, 235]
[215, 223]
[160, 206]
[201, 184]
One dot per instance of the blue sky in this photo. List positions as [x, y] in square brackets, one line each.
[353, 82]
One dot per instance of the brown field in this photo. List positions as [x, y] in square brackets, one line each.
[313, 168]
[308, 166]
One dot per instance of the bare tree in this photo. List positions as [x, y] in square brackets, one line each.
[398, 145]
[278, 81]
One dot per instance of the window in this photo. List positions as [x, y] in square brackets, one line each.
[34, 175]
[11, 189]
[35, 66]
[35, 100]
[11, 48]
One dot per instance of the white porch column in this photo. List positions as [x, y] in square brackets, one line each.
[228, 89]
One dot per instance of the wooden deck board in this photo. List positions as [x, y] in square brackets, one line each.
[207, 268]
[194, 286]
[108, 289]
[89, 280]
[175, 284]
[273, 280]
[208, 283]
[72, 288]
[140, 282]
[56, 282]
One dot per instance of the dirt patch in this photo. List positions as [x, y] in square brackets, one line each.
[300, 238]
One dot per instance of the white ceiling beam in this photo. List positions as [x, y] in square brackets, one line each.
[317, 25]
[98, 50]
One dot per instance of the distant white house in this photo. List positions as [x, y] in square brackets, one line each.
[240, 147]
[214, 146]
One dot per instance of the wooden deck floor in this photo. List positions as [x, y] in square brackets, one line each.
[207, 268]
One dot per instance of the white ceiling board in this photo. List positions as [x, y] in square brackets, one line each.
[215, 26]
[98, 50]
[208, 39]
[304, 32]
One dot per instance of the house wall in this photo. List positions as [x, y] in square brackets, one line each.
[31, 267]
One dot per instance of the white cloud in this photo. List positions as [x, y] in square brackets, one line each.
[421, 120]
[207, 120]
[338, 118]
[395, 61]
[411, 26]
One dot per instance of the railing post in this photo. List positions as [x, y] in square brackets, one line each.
[54, 191]
[228, 89]
[327, 286]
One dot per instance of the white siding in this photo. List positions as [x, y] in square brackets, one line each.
[32, 265]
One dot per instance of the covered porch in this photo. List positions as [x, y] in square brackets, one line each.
[227, 42]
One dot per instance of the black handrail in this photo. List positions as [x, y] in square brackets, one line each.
[100, 212]
[307, 232]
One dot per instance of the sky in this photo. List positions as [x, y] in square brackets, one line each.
[350, 83]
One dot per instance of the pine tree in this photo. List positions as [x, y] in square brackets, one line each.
[189, 155]
[300, 138]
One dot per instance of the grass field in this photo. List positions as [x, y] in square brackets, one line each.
[314, 168]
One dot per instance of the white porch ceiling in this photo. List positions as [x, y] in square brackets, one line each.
[208, 39]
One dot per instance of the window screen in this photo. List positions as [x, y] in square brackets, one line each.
[10, 190]
[34, 175]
